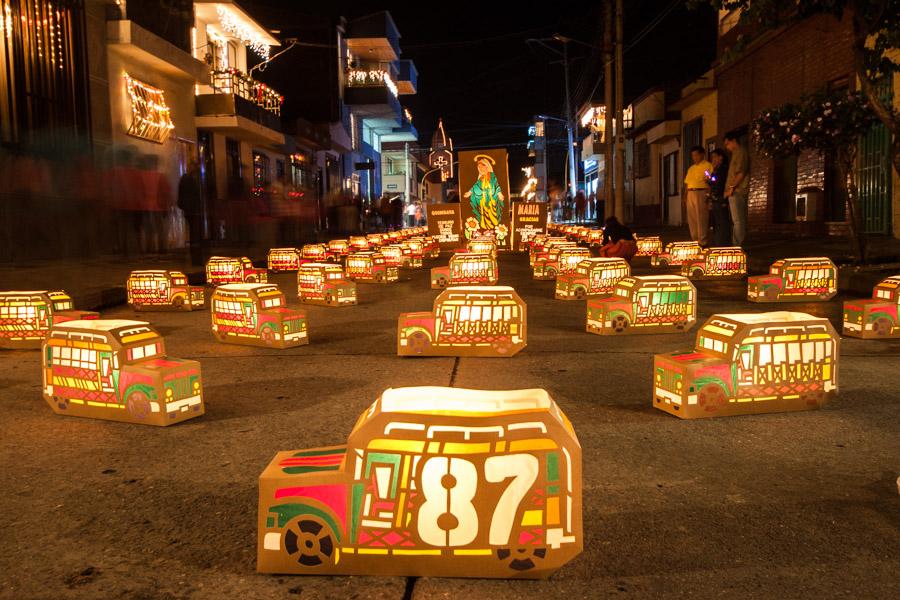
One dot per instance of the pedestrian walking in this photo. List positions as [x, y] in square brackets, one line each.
[696, 189]
[580, 203]
[411, 214]
[719, 213]
[618, 241]
[737, 187]
[190, 202]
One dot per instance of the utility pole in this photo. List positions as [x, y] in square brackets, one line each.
[609, 206]
[620, 124]
[573, 177]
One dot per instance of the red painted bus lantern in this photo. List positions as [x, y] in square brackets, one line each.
[227, 269]
[466, 269]
[795, 280]
[875, 318]
[256, 314]
[163, 290]
[284, 259]
[326, 284]
[26, 317]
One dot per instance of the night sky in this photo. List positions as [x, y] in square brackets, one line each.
[478, 72]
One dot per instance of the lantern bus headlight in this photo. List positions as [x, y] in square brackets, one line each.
[169, 392]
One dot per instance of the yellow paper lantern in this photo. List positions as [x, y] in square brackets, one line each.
[284, 259]
[676, 254]
[655, 304]
[433, 481]
[158, 289]
[482, 246]
[26, 317]
[542, 250]
[256, 314]
[337, 250]
[875, 318]
[591, 277]
[649, 246]
[313, 253]
[326, 284]
[717, 263]
[750, 363]
[560, 259]
[370, 267]
[795, 280]
[358, 243]
[226, 269]
[466, 268]
[118, 370]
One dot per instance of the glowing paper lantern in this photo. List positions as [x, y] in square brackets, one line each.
[376, 240]
[676, 253]
[594, 238]
[747, 364]
[717, 263]
[876, 317]
[313, 253]
[370, 267]
[26, 317]
[337, 250]
[561, 259]
[466, 321]
[256, 314]
[225, 269]
[416, 252]
[540, 248]
[466, 269]
[429, 246]
[118, 370]
[397, 255]
[325, 283]
[655, 304]
[482, 246]
[433, 481]
[284, 259]
[536, 240]
[162, 290]
[591, 277]
[649, 246]
[358, 243]
[795, 280]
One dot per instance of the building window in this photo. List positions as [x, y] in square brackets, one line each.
[784, 189]
[641, 159]
[262, 172]
[670, 174]
[233, 165]
[279, 170]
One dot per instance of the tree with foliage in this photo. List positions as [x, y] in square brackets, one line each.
[822, 122]
[876, 41]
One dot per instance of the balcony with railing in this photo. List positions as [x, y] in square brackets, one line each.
[371, 90]
[234, 93]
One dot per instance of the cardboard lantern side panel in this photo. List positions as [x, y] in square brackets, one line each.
[505, 465]
[227, 269]
[283, 259]
[371, 267]
[256, 314]
[749, 364]
[592, 277]
[676, 253]
[26, 317]
[488, 321]
[325, 284]
[118, 370]
[875, 318]
[655, 304]
[161, 290]
[795, 280]
[466, 269]
[717, 263]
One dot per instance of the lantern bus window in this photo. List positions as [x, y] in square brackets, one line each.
[272, 302]
[62, 305]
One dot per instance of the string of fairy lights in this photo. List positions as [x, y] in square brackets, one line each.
[232, 25]
[150, 115]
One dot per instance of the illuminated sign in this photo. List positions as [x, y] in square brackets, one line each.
[150, 115]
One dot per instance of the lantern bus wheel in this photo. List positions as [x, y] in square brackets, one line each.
[521, 559]
[138, 405]
[441, 282]
[770, 294]
[309, 542]
[680, 325]
[712, 397]
[418, 342]
[697, 273]
[502, 347]
[251, 279]
[178, 302]
[329, 299]
[813, 398]
[379, 276]
[579, 293]
[882, 327]
[268, 336]
[620, 323]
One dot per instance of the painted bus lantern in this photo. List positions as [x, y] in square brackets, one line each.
[429, 247]
[358, 243]
[313, 253]
[482, 246]
[376, 240]
[536, 240]
[370, 267]
[416, 249]
[118, 370]
[676, 254]
[875, 317]
[337, 250]
[466, 269]
[26, 317]
[591, 277]
[649, 246]
[717, 263]
[256, 314]
[594, 238]
[540, 248]
[433, 481]
[163, 290]
[655, 304]
[398, 255]
[747, 364]
[562, 259]
[325, 283]
[284, 259]
[466, 321]
[226, 269]
[795, 280]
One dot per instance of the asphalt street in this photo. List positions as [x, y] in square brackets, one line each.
[796, 505]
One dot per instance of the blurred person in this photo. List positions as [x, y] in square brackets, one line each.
[737, 187]
[719, 213]
[695, 190]
[580, 202]
[126, 197]
[618, 241]
[396, 213]
[157, 202]
[411, 214]
[420, 214]
[384, 209]
[190, 201]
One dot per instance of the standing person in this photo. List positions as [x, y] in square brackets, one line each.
[190, 202]
[695, 190]
[719, 212]
[618, 241]
[737, 187]
[580, 203]
[411, 214]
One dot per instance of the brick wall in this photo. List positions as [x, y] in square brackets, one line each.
[761, 210]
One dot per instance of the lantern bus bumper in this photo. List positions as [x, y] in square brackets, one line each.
[175, 407]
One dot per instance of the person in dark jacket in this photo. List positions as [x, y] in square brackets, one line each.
[618, 240]
[720, 214]
[190, 201]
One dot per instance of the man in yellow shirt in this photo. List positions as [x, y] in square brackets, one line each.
[696, 189]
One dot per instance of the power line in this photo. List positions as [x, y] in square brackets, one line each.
[503, 36]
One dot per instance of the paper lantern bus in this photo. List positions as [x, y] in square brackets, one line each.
[875, 317]
[377, 240]
[313, 253]
[118, 370]
[466, 321]
[548, 248]
[536, 240]
[717, 263]
[433, 481]
[284, 259]
[649, 246]
[654, 304]
[676, 254]
[539, 246]
[256, 314]
[325, 283]
[432, 246]
[391, 237]
[591, 277]
[424, 246]
[226, 269]
[358, 243]
[754, 363]
[466, 269]
[337, 250]
[162, 290]
[561, 259]
[370, 267]
[795, 280]
[26, 317]
[482, 246]
[594, 238]
[416, 249]
[399, 255]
